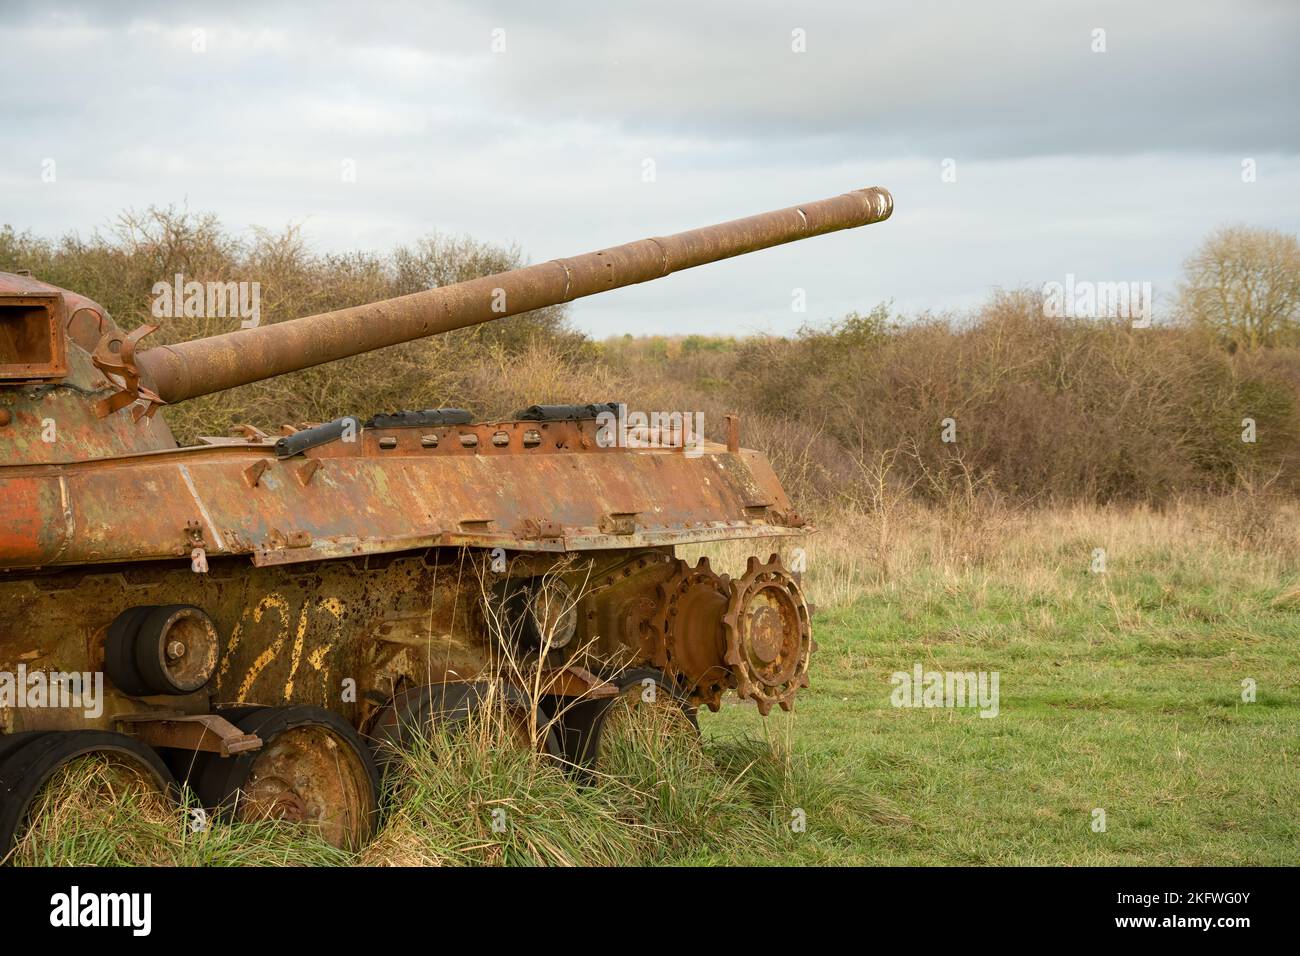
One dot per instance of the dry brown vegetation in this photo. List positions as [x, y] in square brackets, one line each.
[1072, 436]
[1046, 410]
[1243, 285]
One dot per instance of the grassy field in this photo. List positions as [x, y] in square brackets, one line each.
[1120, 690]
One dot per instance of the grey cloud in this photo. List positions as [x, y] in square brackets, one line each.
[1109, 164]
[1006, 78]
[974, 79]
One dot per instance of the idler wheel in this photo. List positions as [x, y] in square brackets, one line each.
[768, 635]
[28, 762]
[312, 768]
[170, 649]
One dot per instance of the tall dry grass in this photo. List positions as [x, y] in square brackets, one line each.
[853, 556]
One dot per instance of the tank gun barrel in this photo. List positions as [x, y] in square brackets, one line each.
[203, 366]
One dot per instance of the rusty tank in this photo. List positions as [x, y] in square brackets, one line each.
[262, 616]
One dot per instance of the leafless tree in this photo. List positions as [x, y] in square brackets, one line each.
[1244, 284]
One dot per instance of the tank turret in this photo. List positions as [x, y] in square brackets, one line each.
[59, 350]
[252, 609]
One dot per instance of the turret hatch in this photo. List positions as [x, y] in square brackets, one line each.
[32, 342]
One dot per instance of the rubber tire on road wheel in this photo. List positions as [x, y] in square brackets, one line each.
[119, 652]
[219, 781]
[28, 766]
[584, 722]
[409, 714]
[10, 743]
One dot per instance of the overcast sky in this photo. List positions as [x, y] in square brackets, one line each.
[1109, 165]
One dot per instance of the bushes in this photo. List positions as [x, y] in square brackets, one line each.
[119, 268]
[1043, 408]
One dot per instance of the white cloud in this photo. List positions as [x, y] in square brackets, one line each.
[1109, 165]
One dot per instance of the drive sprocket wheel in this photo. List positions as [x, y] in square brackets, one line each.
[768, 635]
[685, 639]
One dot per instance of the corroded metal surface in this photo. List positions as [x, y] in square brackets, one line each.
[182, 371]
[343, 572]
[768, 634]
[344, 634]
[28, 407]
[362, 497]
[208, 733]
[684, 638]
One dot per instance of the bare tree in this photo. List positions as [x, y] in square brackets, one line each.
[1244, 284]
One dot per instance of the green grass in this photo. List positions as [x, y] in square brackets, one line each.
[92, 813]
[1119, 691]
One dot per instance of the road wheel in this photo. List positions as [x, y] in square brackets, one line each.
[28, 764]
[649, 713]
[413, 712]
[152, 650]
[312, 768]
[10, 743]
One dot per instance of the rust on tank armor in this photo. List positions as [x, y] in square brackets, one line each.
[352, 573]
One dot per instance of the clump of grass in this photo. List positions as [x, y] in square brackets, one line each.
[669, 785]
[254, 843]
[796, 785]
[474, 798]
[657, 798]
[471, 795]
[96, 811]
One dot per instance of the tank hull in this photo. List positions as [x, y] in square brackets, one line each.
[343, 634]
[269, 614]
[525, 486]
